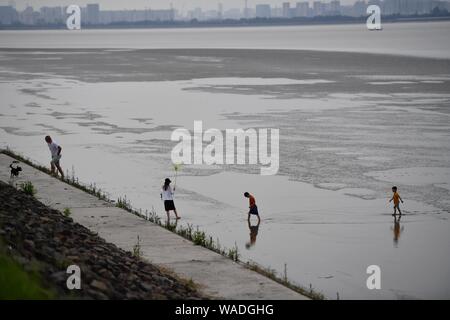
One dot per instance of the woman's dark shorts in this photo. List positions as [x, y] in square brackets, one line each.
[169, 205]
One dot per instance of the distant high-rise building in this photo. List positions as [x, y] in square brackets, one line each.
[8, 15]
[318, 8]
[220, 11]
[107, 17]
[411, 7]
[51, 15]
[405, 6]
[391, 7]
[426, 6]
[27, 16]
[92, 13]
[286, 10]
[441, 5]
[196, 14]
[376, 2]
[210, 15]
[360, 8]
[263, 11]
[334, 8]
[234, 13]
[161, 15]
[246, 10]
[276, 12]
[302, 9]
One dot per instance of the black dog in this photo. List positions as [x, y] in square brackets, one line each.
[15, 170]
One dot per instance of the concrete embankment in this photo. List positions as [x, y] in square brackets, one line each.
[215, 275]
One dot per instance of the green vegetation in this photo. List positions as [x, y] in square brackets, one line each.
[67, 212]
[153, 217]
[187, 282]
[233, 253]
[28, 188]
[172, 227]
[199, 238]
[125, 204]
[272, 274]
[15, 283]
[137, 253]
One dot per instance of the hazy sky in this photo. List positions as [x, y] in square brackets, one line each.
[156, 4]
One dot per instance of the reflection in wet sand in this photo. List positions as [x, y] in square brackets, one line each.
[397, 229]
[253, 233]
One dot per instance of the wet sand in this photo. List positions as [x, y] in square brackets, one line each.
[351, 126]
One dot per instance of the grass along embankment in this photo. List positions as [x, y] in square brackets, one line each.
[191, 233]
[16, 282]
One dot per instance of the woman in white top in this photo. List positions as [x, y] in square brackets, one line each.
[167, 196]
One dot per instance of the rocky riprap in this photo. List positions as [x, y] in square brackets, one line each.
[46, 241]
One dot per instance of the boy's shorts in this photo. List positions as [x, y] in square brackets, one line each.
[254, 210]
[55, 159]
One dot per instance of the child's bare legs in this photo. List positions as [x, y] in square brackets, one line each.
[176, 215]
[398, 208]
[52, 168]
[60, 170]
[55, 168]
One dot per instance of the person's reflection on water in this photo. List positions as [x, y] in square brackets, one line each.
[397, 229]
[253, 233]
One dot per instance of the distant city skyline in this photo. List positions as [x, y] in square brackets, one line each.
[94, 13]
[180, 5]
